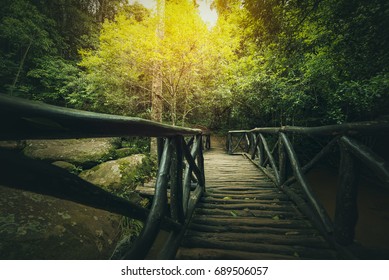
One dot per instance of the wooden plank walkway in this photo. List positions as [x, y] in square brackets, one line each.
[244, 216]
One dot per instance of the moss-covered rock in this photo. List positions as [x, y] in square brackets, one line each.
[115, 174]
[124, 152]
[81, 152]
[13, 145]
[65, 165]
[35, 226]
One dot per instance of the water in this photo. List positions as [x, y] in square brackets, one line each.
[372, 229]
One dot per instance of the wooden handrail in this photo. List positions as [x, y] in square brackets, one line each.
[22, 119]
[350, 149]
[371, 127]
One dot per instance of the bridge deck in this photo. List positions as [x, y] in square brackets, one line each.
[244, 216]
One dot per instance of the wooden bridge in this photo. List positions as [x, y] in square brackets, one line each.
[245, 201]
[243, 215]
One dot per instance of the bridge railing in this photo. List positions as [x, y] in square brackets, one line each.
[181, 167]
[282, 158]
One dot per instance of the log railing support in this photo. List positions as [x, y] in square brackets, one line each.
[346, 214]
[22, 119]
[352, 154]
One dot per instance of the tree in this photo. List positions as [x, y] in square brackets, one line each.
[25, 33]
[191, 59]
[313, 62]
[156, 87]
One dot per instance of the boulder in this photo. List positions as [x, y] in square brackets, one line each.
[13, 145]
[65, 165]
[124, 152]
[115, 174]
[34, 226]
[82, 152]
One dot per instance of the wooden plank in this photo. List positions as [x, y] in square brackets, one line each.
[305, 252]
[246, 200]
[243, 215]
[266, 195]
[250, 221]
[253, 192]
[254, 206]
[251, 213]
[219, 254]
[266, 238]
[252, 229]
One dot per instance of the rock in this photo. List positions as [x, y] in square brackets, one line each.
[34, 226]
[13, 145]
[65, 165]
[114, 174]
[124, 152]
[84, 152]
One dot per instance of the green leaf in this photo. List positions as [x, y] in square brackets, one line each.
[234, 214]
[276, 217]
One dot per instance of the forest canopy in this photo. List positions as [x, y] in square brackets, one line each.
[263, 63]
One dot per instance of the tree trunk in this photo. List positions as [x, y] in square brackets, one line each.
[156, 87]
[21, 66]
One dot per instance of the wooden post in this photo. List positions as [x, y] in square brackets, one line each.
[152, 226]
[208, 145]
[281, 161]
[248, 142]
[200, 163]
[254, 145]
[160, 144]
[176, 175]
[261, 152]
[299, 175]
[346, 213]
[271, 159]
[229, 143]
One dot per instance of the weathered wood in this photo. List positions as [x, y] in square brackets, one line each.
[229, 200]
[323, 152]
[303, 182]
[200, 163]
[266, 238]
[242, 188]
[227, 193]
[346, 213]
[376, 164]
[229, 143]
[281, 162]
[254, 229]
[370, 127]
[248, 143]
[261, 196]
[176, 177]
[271, 159]
[220, 254]
[44, 178]
[143, 243]
[272, 214]
[238, 143]
[228, 208]
[148, 191]
[251, 221]
[24, 119]
[189, 156]
[304, 252]
[160, 144]
[261, 152]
